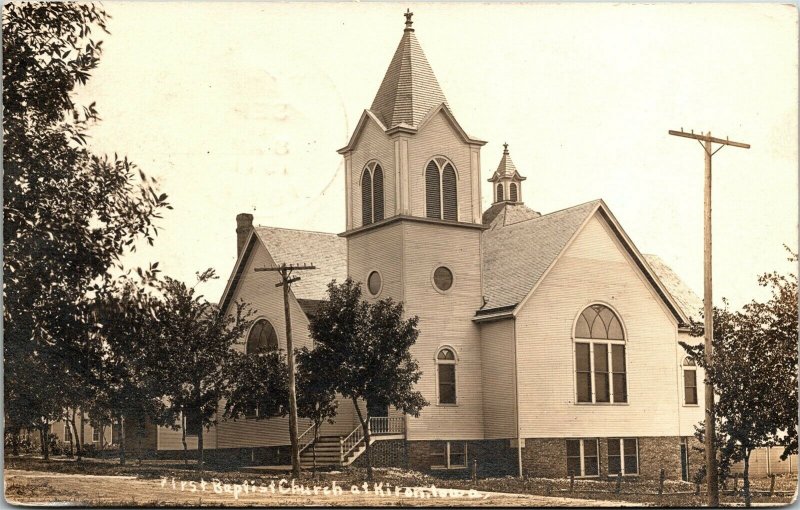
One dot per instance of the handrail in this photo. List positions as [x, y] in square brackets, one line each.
[386, 425]
[349, 443]
[302, 446]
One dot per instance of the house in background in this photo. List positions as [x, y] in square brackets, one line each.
[548, 343]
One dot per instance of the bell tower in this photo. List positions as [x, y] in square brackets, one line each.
[414, 225]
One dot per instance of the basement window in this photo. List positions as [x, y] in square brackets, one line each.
[623, 456]
[582, 457]
[449, 455]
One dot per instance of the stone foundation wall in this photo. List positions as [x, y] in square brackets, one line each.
[547, 457]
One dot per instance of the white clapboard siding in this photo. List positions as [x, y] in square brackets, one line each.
[499, 379]
[445, 319]
[373, 145]
[438, 138]
[596, 268]
[381, 250]
[689, 415]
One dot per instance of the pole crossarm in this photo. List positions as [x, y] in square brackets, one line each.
[709, 138]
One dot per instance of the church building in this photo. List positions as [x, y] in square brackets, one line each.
[549, 344]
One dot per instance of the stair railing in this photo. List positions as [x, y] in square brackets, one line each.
[349, 443]
[385, 425]
[304, 442]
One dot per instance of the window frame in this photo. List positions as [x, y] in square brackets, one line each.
[440, 168]
[433, 278]
[67, 432]
[513, 189]
[609, 356]
[249, 331]
[621, 442]
[380, 288]
[453, 362]
[447, 456]
[690, 368]
[500, 193]
[95, 434]
[369, 168]
[582, 456]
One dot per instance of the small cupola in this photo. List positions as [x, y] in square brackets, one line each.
[506, 181]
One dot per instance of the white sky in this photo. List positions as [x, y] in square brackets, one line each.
[240, 107]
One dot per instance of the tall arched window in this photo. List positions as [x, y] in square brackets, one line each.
[262, 338]
[499, 192]
[600, 356]
[689, 382]
[371, 193]
[513, 191]
[446, 373]
[441, 190]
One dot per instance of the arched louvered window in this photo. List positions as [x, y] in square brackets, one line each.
[441, 190]
[366, 197]
[499, 192]
[371, 193]
[600, 356]
[433, 194]
[377, 192]
[513, 191]
[449, 196]
[262, 338]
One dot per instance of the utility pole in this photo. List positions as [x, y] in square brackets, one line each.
[706, 141]
[285, 270]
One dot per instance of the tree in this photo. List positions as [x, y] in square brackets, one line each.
[316, 399]
[364, 350]
[198, 340]
[754, 372]
[68, 214]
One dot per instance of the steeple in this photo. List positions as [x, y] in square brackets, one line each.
[409, 89]
[507, 180]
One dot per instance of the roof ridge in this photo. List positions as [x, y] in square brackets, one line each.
[598, 200]
[297, 230]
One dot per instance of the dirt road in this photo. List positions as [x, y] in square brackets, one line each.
[36, 487]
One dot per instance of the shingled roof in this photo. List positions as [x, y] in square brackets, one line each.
[690, 303]
[506, 168]
[328, 252]
[502, 214]
[517, 255]
[409, 89]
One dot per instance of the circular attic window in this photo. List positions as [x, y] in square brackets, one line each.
[374, 283]
[443, 278]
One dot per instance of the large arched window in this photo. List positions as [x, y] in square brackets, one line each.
[499, 192]
[600, 356]
[441, 190]
[446, 373]
[371, 193]
[513, 191]
[689, 382]
[262, 338]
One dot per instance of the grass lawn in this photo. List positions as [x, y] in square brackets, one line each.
[105, 482]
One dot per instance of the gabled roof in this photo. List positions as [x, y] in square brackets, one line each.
[409, 89]
[516, 256]
[690, 303]
[328, 252]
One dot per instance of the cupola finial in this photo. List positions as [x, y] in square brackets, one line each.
[408, 15]
[505, 149]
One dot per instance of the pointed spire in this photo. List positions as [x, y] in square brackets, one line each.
[506, 167]
[409, 89]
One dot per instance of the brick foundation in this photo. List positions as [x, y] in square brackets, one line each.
[547, 458]
[494, 458]
[232, 457]
[388, 453]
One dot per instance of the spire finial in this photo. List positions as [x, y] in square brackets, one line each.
[505, 149]
[408, 15]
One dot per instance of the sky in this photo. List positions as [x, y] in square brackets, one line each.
[240, 107]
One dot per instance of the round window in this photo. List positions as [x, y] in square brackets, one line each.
[443, 278]
[374, 283]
